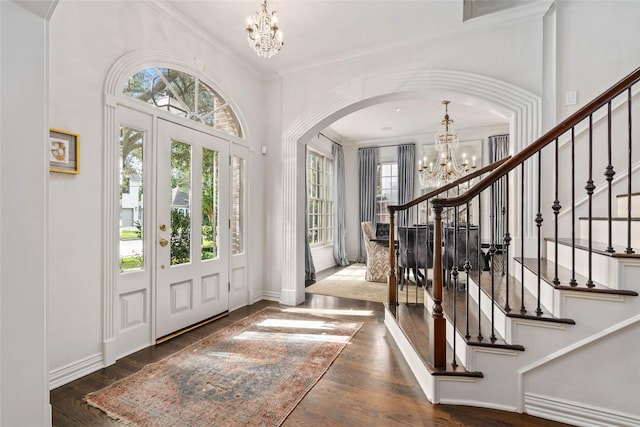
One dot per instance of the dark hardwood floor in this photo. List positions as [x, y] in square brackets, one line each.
[369, 384]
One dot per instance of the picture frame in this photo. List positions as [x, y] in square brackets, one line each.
[64, 151]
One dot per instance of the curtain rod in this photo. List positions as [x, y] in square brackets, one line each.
[335, 142]
[390, 145]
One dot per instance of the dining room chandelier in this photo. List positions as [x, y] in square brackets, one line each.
[445, 167]
[263, 33]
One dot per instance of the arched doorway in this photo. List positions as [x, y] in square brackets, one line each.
[185, 183]
[522, 106]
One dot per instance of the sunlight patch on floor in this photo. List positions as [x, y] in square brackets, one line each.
[330, 311]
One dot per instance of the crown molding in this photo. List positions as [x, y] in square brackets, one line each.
[169, 11]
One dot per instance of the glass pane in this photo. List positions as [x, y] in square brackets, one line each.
[210, 203]
[237, 206]
[180, 203]
[131, 199]
[175, 91]
[141, 85]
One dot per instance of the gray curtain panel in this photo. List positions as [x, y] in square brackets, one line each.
[309, 267]
[367, 178]
[406, 172]
[339, 209]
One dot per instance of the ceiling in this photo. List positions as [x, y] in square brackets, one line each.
[324, 31]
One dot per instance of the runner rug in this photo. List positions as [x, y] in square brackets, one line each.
[349, 283]
[252, 373]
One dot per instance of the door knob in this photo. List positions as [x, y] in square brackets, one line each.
[164, 242]
[163, 227]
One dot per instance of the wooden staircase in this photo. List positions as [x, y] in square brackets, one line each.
[494, 370]
[554, 333]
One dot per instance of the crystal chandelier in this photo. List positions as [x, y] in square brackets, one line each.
[263, 33]
[446, 167]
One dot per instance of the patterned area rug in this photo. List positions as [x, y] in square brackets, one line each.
[349, 283]
[252, 373]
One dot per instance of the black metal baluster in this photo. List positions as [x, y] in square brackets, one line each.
[523, 309]
[609, 173]
[590, 187]
[572, 281]
[480, 337]
[507, 242]
[556, 210]
[467, 268]
[492, 253]
[539, 225]
[417, 276]
[454, 276]
[629, 249]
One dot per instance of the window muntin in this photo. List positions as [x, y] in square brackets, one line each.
[387, 190]
[183, 95]
[131, 199]
[320, 198]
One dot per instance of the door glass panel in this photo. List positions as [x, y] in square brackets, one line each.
[237, 205]
[180, 203]
[210, 204]
[131, 199]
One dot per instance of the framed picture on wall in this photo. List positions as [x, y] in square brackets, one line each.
[64, 151]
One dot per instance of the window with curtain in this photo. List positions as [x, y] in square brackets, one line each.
[319, 198]
[386, 190]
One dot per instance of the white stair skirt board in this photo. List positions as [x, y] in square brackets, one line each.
[574, 413]
[622, 202]
[73, 371]
[420, 372]
[619, 231]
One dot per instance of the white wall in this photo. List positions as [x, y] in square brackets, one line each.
[24, 398]
[86, 39]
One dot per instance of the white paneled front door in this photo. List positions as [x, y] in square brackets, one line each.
[192, 227]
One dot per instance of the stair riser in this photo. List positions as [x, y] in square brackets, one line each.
[604, 269]
[500, 320]
[623, 203]
[547, 293]
[619, 232]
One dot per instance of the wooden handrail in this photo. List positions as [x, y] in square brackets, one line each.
[541, 142]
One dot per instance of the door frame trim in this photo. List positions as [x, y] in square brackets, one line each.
[121, 70]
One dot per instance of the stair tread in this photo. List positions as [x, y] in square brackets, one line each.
[597, 247]
[518, 307]
[415, 322]
[547, 273]
[615, 218]
[620, 196]
[486, 331]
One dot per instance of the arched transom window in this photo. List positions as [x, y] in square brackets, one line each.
[183, 95]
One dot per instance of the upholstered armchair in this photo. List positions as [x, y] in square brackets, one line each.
[377, 255]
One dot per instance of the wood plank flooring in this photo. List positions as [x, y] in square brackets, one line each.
[369, 384]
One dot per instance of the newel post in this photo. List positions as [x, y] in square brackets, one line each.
[439, 336]
[393, 298]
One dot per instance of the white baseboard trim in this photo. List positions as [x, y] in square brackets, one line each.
[266, 295]
[478, 403]
[576, 413]
[73, 371]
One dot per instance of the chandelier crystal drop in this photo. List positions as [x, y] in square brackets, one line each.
[263, 33]
[446, 167]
